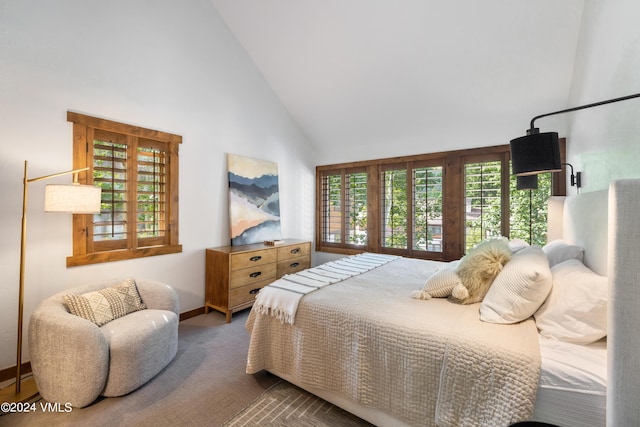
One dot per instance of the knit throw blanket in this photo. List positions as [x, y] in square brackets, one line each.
[280, 299]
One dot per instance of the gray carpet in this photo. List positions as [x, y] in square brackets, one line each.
[205, 385]
[287, 405]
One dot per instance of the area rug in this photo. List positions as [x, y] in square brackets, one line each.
[284, 404]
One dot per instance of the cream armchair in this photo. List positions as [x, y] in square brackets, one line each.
[74, 361]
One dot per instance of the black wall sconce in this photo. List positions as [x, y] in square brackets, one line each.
[538, 152]
[576, 179]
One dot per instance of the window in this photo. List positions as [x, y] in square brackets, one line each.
[344, 207]
[137, 170]
[528, 213]
[411, 207]
[483, 202]
[433, 206]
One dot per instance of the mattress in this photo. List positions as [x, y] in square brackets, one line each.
[573, 383]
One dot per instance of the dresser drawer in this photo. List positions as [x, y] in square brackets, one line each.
[293, 251]
[254, 274]
[293, 265]
[251, 259]
[245, 294]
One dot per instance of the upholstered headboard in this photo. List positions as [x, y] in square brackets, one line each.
[623, 389]
[607, 225]
[582, 220]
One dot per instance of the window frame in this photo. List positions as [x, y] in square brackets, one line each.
[84, 252]
[453, 204]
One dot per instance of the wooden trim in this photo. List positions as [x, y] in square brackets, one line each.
[559, 180]
[373, 206]
[496, 149]
[119, 255]
[453, 209]
[9, 373]
[173, 200]
[192, 313]
[132, 130]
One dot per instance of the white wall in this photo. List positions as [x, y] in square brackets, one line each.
[604, 141]
[162, 64]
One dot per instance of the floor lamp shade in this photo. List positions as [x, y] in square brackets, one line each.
[535, 153]
[75, 198]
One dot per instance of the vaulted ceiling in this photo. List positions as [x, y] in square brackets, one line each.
[368, 72]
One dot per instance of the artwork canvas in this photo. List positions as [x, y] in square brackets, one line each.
[254, 200]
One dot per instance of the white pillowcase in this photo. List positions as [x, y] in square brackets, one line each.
[559, 251]
[517, 245]
[520, 288]
[440, 284]
[576, 310]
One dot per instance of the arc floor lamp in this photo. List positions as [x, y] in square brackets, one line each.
[74, 198]
[538, 152]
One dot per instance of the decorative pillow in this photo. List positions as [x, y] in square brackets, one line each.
[479, 268]
[559, 251]
[439, 285]
[107, 304]
[520, 288]
[517, 245]
[576, 309]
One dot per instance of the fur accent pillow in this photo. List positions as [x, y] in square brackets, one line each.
[107, 304]
[479, 268]
[439, 285]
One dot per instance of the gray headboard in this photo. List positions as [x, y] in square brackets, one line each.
[623, 388]
[582, 220]
[607, 225]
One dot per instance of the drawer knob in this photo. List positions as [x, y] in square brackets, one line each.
[295, 251]
[254, 291]
[255, 258]
[294, 265]
[255, 274]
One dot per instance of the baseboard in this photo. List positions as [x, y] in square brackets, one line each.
[10, 372]
[191, 313]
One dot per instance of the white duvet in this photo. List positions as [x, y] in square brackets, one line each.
[425, 362]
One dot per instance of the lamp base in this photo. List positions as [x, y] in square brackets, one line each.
[28, 390]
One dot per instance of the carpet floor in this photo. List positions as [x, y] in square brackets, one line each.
[205, 385]
[284, 404]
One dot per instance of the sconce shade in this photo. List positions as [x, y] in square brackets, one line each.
[535, 153]
[75, 198]
[527, 182]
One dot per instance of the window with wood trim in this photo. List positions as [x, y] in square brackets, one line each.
[432, 206]
[137, 170]
[483, 201]
[344, 207]
[411, 211]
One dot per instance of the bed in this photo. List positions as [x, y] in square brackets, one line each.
[365, 345]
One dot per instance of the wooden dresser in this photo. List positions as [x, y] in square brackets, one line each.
[235, 274]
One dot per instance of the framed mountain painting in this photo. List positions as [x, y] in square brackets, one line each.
[254, 200]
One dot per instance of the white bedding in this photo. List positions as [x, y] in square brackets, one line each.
[421, 362]
[573, 384]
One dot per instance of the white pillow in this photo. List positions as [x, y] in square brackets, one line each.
[440, 284]
[520, 288]
[517, 245]
[559, 251]
[576, 310]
